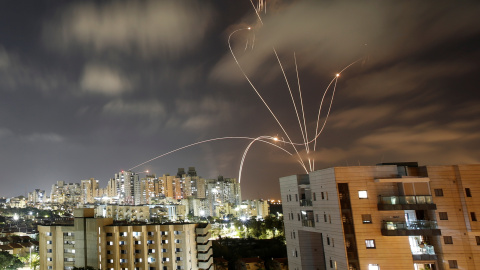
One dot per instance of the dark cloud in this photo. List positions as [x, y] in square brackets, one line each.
[101, 79]
[90, 88]
[140, 28]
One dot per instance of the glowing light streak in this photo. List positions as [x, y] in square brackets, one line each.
[319, 112]
[256, 12]
[260, 96]
[291, 95]
[246, 151]
[307, 148]
[204, 141]
[328, 113]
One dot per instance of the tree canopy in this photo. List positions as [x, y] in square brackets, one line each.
[9, 262]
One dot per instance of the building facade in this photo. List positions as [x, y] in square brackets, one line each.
[389, 216]
[97, 242]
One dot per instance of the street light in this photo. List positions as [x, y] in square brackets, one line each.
[31, 256]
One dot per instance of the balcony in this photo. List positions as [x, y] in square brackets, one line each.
[205, 256]
[206, 264]
[424, 253]
[308, 223]
[418, 227]
[203, 230]
[203, 239]
[424, 202]
[305, 202]
[204, 248]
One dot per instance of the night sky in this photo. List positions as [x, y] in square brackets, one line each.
[89, 88]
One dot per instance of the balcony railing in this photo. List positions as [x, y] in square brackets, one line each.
[424, 199]
[308, 223]
[418, 227]
[423, 250]
[305, 202]
[412, 202]
[411, 225]
[423, 253]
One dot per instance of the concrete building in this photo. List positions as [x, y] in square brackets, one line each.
[124, 212]
[65, 193]
[99, 243]
[89, 190]
[36, 196]
[221, 191]
[389, 216]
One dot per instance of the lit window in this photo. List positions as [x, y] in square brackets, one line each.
[370, 243]
[373, 267]
[362, 194]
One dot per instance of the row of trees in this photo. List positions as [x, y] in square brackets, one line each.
[269, 227]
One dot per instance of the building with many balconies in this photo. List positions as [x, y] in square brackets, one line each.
[99, 243]
[389, 216]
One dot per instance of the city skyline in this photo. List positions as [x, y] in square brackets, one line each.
[91, 88]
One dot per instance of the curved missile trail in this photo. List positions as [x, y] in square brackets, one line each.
[204, 141]
[260, 96]
[328, 113]
[317, 134]
[319, 112]
[246, 150]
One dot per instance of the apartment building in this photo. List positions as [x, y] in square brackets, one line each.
[99, 243]
[389, 216]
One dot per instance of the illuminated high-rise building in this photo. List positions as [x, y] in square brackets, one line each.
[89, 190]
